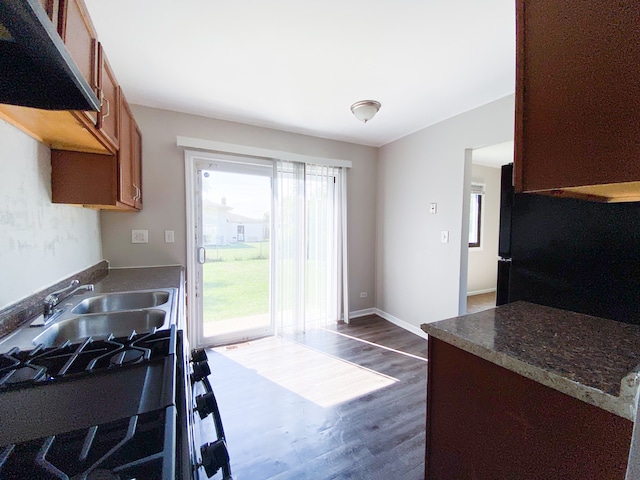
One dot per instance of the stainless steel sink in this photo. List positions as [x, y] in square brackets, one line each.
[112, 302]
[100, 325]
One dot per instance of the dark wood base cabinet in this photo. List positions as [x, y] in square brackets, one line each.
[486, 422]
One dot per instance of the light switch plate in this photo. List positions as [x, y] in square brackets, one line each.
[139, 236]
[433, 208]
[444, 236]
[169, 236]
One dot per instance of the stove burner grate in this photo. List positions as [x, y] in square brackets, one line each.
[22, 368]
[124, 449]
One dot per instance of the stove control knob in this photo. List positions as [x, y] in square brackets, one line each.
[214, 457]
[198, 355]
[206, 404]
[200, 370]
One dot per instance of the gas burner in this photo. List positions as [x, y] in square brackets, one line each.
[129, 356]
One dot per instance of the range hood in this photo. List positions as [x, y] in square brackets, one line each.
[36, 69]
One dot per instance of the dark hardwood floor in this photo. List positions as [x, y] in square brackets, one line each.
[483, 301]
[347, 402]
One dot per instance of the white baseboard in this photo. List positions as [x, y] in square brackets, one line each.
[480, 292]
[401, 323]
[362, 313]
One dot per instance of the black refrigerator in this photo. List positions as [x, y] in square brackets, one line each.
[571, 254]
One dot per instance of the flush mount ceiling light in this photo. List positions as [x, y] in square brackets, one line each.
[365, 110]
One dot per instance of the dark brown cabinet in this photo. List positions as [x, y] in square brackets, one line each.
[487, 422]
[577, 99]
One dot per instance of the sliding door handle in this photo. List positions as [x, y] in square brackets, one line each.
[202, 255]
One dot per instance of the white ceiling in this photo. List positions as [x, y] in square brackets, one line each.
[298, 65]
[493, 155]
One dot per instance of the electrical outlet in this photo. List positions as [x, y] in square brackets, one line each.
[444, 236]
[139, 236]
[363, 294]
[169, 236]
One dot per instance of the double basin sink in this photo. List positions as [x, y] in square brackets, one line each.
[99, 315]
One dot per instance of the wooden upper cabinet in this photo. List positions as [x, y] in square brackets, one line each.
[72, 130]
[136, 163]
[80, 38]
[111, 182]
[109, 115]
[577, 99]
[52, 7]
[127, 189]
[129, 157]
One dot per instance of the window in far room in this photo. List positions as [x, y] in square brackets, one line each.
[475, 217]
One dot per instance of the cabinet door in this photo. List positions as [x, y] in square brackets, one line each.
[108, 117]
[127, 191]
[136, 163]
[80, 38]
[52, 9]
[578, 96]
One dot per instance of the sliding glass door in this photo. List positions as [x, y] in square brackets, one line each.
[267, 247]
[233, 230]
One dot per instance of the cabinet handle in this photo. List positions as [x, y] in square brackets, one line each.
[108, 110]
[138, 193]
[101, 98]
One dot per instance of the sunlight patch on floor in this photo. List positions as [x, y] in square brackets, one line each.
[316, 376]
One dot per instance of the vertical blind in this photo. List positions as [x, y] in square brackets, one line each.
[310, 250]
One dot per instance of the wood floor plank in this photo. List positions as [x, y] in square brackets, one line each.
[278, 431]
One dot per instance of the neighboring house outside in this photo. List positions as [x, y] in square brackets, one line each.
[246, 229]
[221, 227]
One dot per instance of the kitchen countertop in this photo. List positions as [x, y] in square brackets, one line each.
[141, 278]
[589, 358]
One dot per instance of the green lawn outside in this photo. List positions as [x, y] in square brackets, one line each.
[236, 281]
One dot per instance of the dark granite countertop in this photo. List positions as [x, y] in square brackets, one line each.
[593, 359]
[141, 278]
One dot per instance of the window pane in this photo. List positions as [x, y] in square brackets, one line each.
[474, 220]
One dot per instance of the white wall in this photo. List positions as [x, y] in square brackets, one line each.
[164, 192]
[483, 264]
[40, 242]
[417, 276]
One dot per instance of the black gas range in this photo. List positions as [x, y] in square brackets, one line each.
[114, 408]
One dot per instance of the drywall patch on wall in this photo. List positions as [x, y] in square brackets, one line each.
[40, 242]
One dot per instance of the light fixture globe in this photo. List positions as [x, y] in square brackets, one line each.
[365, 110]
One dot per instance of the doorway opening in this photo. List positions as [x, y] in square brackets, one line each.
[484, 219]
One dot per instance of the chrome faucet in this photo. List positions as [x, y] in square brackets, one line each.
[54, 298]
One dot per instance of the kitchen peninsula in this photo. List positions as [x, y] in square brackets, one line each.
[528, 391]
